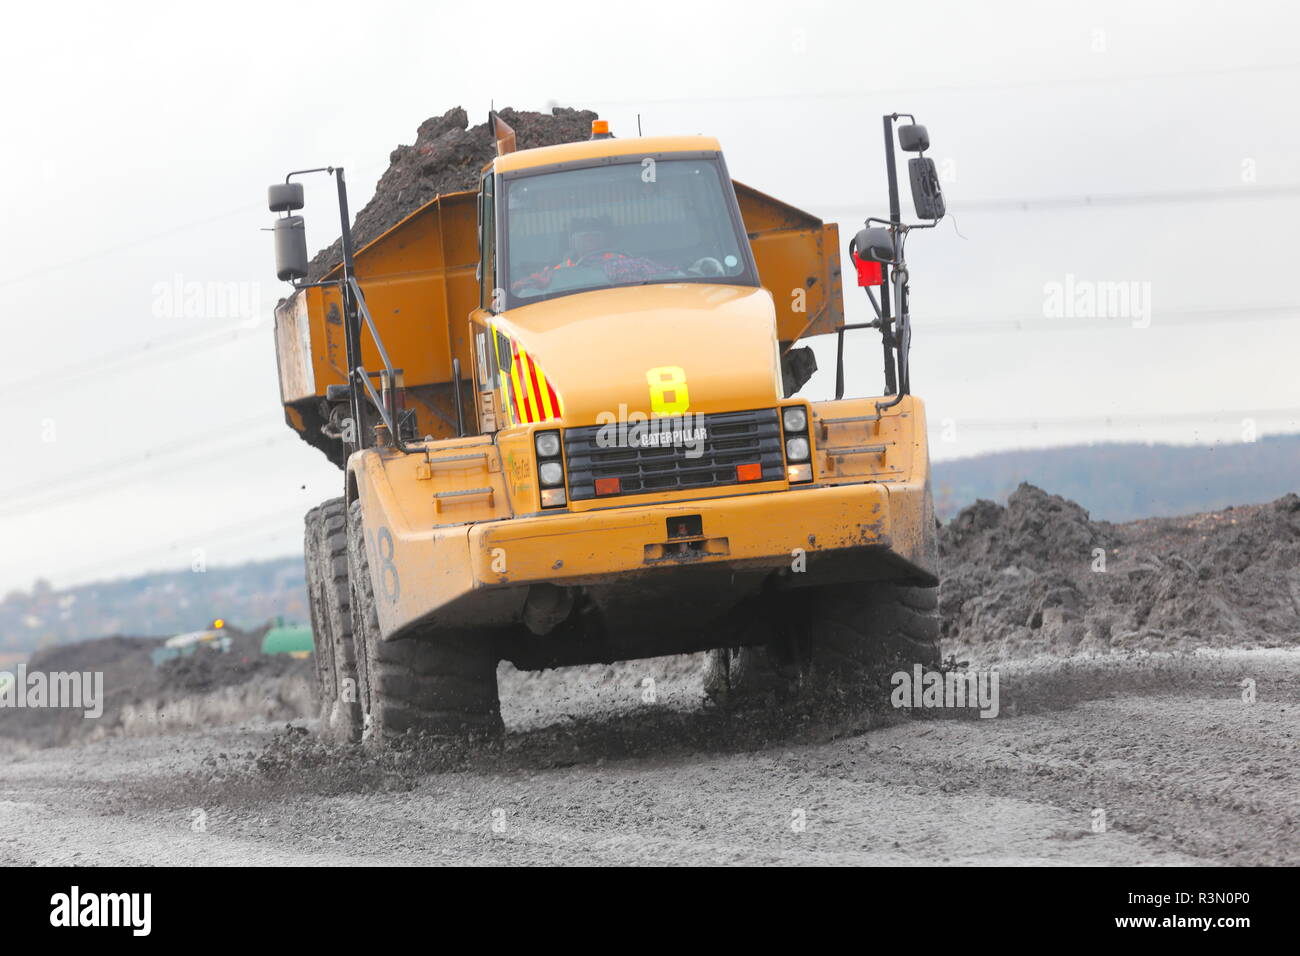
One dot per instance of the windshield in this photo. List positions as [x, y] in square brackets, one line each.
[626, 223]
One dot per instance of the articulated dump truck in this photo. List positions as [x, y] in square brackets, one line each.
[566, 407]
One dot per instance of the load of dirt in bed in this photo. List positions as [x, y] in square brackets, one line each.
[1040, 575]
[447, 156]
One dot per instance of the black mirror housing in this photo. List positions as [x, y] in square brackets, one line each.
[875, 244]
[284, 197]
[290, 248]
[927, 195]
[913, 138]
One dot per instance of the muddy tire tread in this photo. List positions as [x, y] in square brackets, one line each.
[326, 556]
[438, 686]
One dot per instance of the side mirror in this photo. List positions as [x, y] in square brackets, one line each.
[875, 243]
[284, 197]
[290, 248]
[913, 138]
[927, 196]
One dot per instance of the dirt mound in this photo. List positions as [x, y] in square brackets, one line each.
[203, 672]
[138, 696]
[1037, 528]
[1040, 575]
[447, 156]
[94, 655]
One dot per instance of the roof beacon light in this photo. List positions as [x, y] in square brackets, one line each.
[600, 129]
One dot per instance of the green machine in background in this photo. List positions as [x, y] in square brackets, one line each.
[292, 639]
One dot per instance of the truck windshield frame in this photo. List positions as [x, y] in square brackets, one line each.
[687, 229]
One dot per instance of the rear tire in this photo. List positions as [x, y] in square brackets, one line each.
[440, 684]
[329, 594]
[838, 639]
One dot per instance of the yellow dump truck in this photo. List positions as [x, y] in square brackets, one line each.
[566, 406]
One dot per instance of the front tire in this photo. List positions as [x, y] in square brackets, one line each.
[864, 631]
[439, 684]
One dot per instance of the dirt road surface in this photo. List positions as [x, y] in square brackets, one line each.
[1185, 770]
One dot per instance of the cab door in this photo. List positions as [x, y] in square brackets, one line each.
[487, 375]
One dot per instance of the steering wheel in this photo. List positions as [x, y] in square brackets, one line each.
[527, 282]
[707, 266]
[597, 252]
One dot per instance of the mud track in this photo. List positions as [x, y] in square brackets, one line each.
[589, 772]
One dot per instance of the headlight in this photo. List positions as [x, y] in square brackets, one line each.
[796, 449]
[548, 444]
[551, 473]
[795, 418]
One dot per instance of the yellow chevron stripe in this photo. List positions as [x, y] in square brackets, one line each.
[526, 364]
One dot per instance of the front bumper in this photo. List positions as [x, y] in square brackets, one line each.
[762, 529]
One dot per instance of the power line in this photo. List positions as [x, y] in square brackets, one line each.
[948, 88]
[1097, 200]
[361, 174]
[1126, 420]
[58, 491]
[148, 456]
[239, 533]
[122, 246]
[977, 325]
[151, 454]
[125, 359]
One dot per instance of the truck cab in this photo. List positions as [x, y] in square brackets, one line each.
[621, 296]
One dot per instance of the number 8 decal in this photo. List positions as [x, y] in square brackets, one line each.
[388, 579]
[668, 394]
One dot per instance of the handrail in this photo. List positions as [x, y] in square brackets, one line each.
[387, 403]
[370, 323]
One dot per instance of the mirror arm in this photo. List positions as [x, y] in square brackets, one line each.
[303, 172]
[893, 360]
[896, 364]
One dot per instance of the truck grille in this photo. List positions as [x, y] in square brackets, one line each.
[730, 439]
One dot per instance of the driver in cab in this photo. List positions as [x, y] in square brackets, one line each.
[590, 245]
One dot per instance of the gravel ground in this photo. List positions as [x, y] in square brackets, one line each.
[590, 772]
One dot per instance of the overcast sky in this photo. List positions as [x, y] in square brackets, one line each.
[1153, 144]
